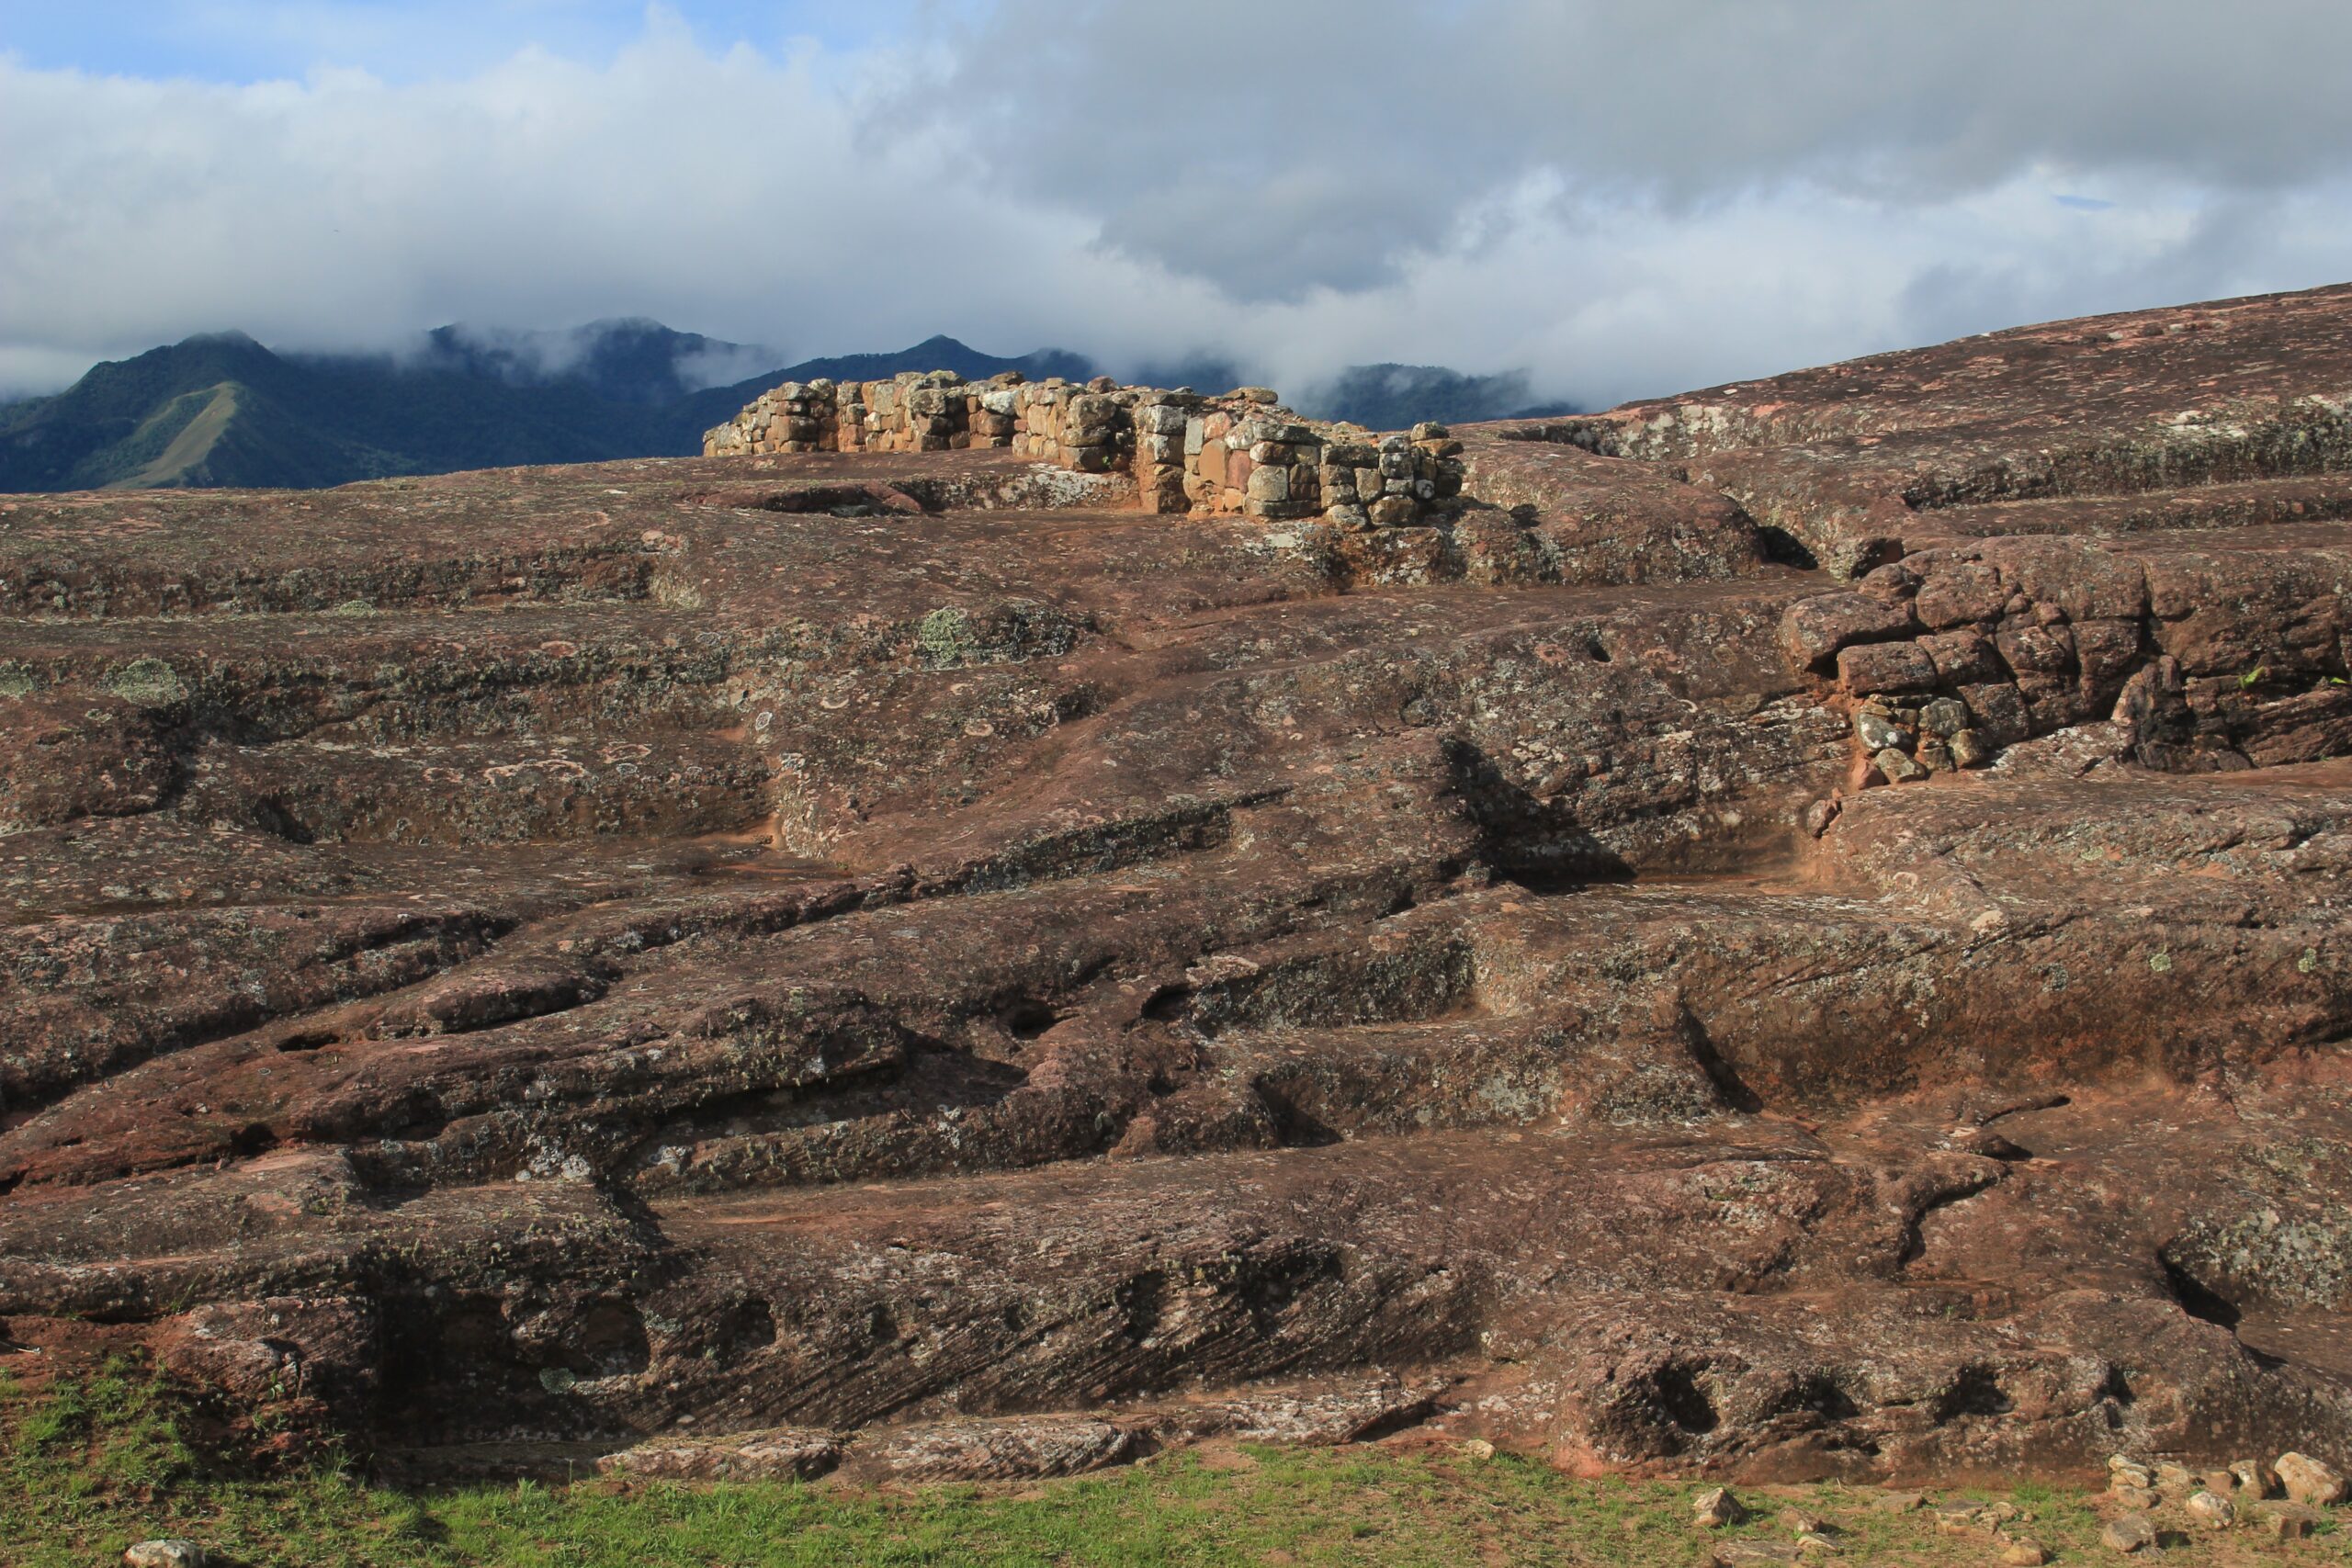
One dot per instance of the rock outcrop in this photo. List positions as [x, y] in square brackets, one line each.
[1799, 930]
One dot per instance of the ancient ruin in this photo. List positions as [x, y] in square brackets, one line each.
[985, 931]
[1239, 454]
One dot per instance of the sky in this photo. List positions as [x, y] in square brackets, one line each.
[1621, 199]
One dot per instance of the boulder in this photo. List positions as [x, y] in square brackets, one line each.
[2254, 1478]
[165, 1553]
[2309, 1481]
[2288, 1521]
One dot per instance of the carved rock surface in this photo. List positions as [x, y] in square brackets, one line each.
[906, 962]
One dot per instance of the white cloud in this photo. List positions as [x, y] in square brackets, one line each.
[1620, 198]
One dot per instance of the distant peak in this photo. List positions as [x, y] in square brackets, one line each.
[627, 325]
[229, 339]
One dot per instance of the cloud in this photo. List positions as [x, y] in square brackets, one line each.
[1620, 200]
[1397, 116]
[723, 365]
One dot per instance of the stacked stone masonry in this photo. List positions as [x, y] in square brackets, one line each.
[1952, 654]
[1242, 453]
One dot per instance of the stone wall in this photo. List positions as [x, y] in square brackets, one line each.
[1239, 454]
[2194, 660]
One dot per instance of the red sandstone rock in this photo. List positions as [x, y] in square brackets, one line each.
[927, 963]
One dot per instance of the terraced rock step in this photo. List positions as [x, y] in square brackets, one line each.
[1797, 932]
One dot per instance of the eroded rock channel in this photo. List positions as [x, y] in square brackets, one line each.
[1794, 931]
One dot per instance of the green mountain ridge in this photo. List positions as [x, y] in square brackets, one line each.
[221, 410]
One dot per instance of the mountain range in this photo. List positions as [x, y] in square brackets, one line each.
[221, 410]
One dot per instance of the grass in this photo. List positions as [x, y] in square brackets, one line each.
[93, 1463]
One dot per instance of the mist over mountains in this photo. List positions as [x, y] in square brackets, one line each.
[221, 410]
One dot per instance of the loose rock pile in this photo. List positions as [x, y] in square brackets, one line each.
[1239, 454]
[2246, 1493]
[2286, 1502]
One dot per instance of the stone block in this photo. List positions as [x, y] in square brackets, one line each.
[2107, 650]
[1970, 750]
[2035, 651]
[2288, 1521]
[2255, 1478]
[2000, 712]
[1946, 716]
[1886, 667]
[1877, 731]
[1162, 489]
[2052, 702]
[2075, 578]
[1962, 658]
[1088, 419]
[1814, 630]
[1896, 768]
